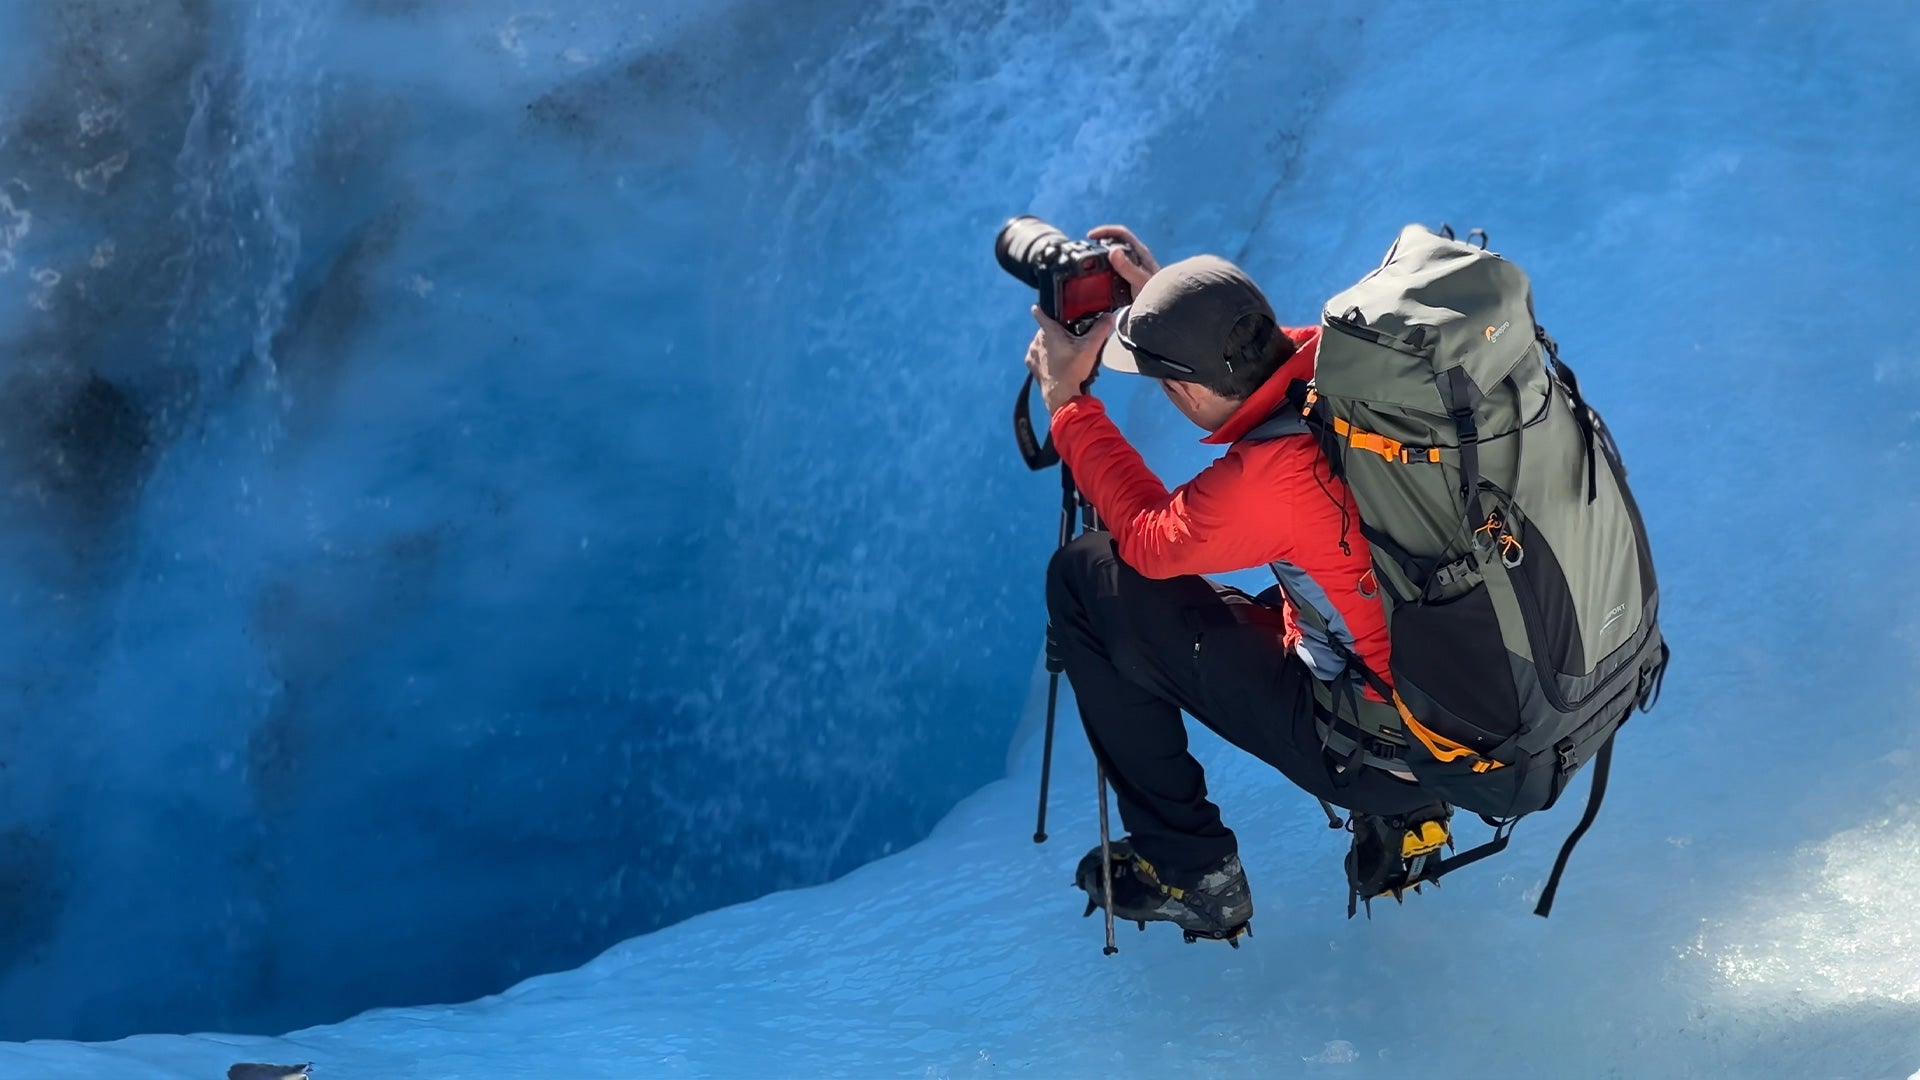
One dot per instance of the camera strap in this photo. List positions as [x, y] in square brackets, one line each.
[1039, 455]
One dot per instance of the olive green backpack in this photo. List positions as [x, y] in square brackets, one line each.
[1510, 556]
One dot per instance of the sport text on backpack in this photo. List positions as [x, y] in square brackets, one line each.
[1514, 567]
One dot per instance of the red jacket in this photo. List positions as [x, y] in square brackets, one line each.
[1262, 502]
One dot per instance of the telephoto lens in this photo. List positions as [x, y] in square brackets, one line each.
[1022, 245]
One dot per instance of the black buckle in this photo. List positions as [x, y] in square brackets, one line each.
[1457, 570]
[1383, 749]
[1362, 740]
[1563, 751]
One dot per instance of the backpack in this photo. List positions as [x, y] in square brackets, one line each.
[1510, 556]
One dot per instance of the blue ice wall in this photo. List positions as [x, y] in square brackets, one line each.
[483, 483]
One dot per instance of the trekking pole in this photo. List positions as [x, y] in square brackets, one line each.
[1106, 860]
[1046, 745]
[1069, 502]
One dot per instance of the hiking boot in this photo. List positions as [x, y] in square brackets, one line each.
[1215, 904]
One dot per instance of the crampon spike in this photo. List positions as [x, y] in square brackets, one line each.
[1231, 937]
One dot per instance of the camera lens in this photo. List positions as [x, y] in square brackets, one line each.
[1020, 245]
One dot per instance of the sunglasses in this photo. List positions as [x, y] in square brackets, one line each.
[1119, 331]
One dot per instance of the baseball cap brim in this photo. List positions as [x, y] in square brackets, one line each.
[1115, 355]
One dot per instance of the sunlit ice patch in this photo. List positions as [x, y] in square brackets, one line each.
[1840, 930]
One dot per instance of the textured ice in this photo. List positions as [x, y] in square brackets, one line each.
[964, 957]
[1838, 928]
[438, 549]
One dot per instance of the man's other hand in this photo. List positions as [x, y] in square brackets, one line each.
[1061, 363]
[1136, 270]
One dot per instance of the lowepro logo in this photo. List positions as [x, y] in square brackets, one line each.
[1494, 332]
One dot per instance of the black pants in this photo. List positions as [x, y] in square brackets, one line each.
[1139, 650]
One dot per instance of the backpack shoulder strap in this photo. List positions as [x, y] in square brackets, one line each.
[1279, 425]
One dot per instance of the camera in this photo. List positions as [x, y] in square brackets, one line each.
[1075, 278]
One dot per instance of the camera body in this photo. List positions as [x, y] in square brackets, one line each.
[1075, 279]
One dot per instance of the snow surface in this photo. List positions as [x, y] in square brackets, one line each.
[795, 650]
[962, 958]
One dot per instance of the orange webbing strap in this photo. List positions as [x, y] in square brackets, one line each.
[1367, 440]
[1439, 745]
[1391, 449]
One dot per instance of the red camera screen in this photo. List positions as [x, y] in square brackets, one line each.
[1087, 295]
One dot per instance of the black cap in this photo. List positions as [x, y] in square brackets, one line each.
[1177, 327]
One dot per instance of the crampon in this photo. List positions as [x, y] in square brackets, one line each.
[1395, 856]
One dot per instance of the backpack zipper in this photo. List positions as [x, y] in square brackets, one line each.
[1370, 335]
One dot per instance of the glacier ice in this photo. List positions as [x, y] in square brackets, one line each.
[491, 474]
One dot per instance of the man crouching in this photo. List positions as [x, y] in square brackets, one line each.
[1142, 635]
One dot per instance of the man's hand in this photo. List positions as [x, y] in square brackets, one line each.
[1136, 270]
[1061, 363]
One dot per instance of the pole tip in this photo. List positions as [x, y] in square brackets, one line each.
[1039, 838]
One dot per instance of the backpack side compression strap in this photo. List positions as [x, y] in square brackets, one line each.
[1461, 397]
[1601, 762]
